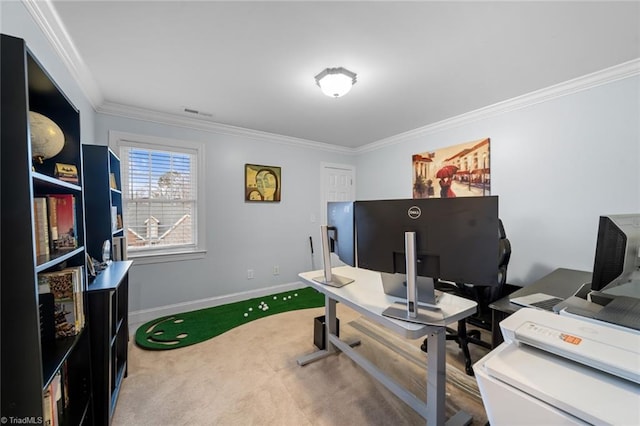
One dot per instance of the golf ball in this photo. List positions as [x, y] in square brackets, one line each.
[246, 314]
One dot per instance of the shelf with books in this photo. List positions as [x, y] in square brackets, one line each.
[115, 182]
[45, 181]
[116, 213]
[108, 292]
[67, 287]
[58, 230]
[103, 200]
[66, 290]
[58, 258]
[32, 357]
[67, 395]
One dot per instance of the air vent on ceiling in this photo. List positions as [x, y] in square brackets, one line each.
[196, 112]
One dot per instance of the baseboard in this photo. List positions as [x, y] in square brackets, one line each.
[137, 318]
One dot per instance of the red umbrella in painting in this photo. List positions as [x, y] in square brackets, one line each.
[446, 172]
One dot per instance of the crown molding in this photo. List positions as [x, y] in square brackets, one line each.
[127, 111]
[598, 78]
[46, 17]
[49, 22]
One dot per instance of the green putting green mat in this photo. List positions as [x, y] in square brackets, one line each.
[180, 330]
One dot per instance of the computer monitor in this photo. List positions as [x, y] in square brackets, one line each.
[340, 221]
[338, 237]
[617, 258]
[455, 239]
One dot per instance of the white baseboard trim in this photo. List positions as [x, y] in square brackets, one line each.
[137, 318]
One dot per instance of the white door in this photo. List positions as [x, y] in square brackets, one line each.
[338, 184]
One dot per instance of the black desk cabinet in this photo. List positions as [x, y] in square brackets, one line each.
[109, 326]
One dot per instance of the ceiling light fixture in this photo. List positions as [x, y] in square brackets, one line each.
[336, 82]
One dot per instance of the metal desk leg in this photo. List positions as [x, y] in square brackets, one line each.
[436, 381]
[436, 376]
[331, 326]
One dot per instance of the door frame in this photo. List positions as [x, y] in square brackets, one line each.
[324, 167]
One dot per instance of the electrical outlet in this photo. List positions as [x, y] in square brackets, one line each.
[276, 270]
[249, 274]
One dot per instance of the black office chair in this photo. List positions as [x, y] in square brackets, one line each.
[483, 295]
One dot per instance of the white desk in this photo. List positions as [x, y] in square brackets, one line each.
[365, 295]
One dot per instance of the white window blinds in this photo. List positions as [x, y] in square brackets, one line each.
[160, 198]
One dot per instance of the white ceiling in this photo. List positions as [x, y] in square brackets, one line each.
[251, 64]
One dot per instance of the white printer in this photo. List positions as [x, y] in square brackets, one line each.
[554, 369]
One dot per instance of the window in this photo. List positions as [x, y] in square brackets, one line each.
[161, 195]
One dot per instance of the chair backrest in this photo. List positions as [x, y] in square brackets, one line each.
[504, 255]
[485, 295]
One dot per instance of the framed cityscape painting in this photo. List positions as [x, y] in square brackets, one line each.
[456, 171]
[262, 183]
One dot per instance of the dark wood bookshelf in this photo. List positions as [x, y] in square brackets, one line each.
[29, 363]
[100, 164]
[108, 307]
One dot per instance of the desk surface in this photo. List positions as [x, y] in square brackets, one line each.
[560, 283]
[366, 296]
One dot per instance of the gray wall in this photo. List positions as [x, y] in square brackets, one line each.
[556, 167]
[240, 235]
[16, 21]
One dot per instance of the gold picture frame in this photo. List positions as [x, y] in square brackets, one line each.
[262, 183]
[66, 172]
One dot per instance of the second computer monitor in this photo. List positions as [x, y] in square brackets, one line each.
[617, 258]
[341, 231]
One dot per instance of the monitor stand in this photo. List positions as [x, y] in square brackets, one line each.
[329, 278]
[412, 313]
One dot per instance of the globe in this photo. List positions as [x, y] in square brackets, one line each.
[47, 139]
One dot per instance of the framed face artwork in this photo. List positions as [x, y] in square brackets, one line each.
[262, 183]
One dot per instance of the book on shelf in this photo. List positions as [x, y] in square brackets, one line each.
[62, 221]
[78, 298]
[65, 385]
[56, 401]
[41, 227]
[112, 181]
[56, 398]
[67, 288]
[114, 218]
[53, 402]
[47, 409]
[53, 220]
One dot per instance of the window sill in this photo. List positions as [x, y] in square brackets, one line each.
[148, 258]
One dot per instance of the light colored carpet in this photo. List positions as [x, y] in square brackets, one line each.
[249, 376]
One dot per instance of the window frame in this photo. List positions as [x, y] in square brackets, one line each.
[118, 140]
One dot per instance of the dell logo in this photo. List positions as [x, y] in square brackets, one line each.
[414, 212]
